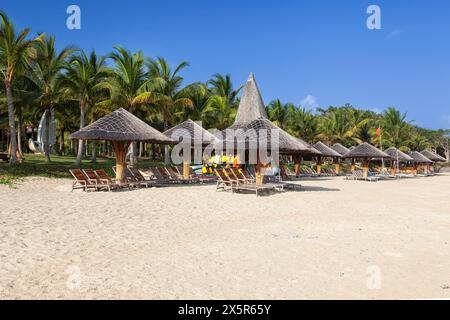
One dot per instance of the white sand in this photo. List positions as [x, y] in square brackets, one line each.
[340, 239]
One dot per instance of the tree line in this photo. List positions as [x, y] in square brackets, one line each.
[77, 88]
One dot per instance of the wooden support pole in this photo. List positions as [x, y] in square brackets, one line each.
[186, 170]
[319, 165]
[120, 149]
[393, 171]
[258, 174]
[365, 165]
[353, 165]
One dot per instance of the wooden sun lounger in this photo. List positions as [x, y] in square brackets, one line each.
[129, 178]
[253, 187]
[103, 176]
[81, 181]
[224, 181]
[94, 179]
[140, 179]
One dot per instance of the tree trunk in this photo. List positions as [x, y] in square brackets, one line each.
[166, 147]
[120, 149]
[80, 142]
[48, 114]
[11, 123]
[133, 159]
[94, 151]
[62, 147]
[19, 133]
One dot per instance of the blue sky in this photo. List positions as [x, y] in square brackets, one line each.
[316, 52]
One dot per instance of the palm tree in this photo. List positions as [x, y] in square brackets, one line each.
[394, 126]
[126, 81]
[221, 108]
[302, 123]
[279, 113]
[16, 55]
[84, 78]
[45, 74]
[164, 92]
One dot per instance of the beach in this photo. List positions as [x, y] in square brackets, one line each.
[335, 239]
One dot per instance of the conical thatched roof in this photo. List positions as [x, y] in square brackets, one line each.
[121, 125]
[365, 150]
[397, 154]
[433, 156]
[325, 150]
[419, 158]
[193, 132]
[252, 126]
[339, 148]
[251, 106]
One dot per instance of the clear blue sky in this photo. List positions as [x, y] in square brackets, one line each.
[321, 49]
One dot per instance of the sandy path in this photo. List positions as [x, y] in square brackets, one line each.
[338, 239]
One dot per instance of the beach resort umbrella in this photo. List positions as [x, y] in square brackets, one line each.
[253, 130]
[420, 160]
[339, 148]
[191, 133]
[366, 152]
[121, 128]
[398, 156]
[326, 152]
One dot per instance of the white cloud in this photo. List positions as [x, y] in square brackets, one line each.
[394, 34]
[376, 110]
[309, 102]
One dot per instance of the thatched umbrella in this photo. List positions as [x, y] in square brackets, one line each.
[433, 157]
[398, 156]
[121, 128]
[326, 152]
[254, 130]
[339, 148]
[420, 160]
[366, 152]
[191, 133]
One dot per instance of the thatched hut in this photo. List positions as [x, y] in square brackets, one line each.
[196, 138]
[397, 156]
[339, 148]
[252, 130]
[326, 152]
[420, 161]
[433, 157]
[366, 152]
[121, 128]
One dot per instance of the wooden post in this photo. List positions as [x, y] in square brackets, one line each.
[353, 165]
[393, 171]
[186, 170]
[365, 165]
[120, 149]
[259, 176]
[319, 165]
[338, 168]
[296, 165]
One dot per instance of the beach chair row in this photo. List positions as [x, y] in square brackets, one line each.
[233, 179]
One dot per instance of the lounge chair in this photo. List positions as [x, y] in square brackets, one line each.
[94, 179]
[224, 182]
[240, 184]
[140, 179]
[81, 181]
[166, 176]
[112, 184]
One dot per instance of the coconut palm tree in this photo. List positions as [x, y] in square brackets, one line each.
[394, 126]
[127, 80]
[164, 92]
[302, 123]
[16, 55]
[84, 78]
[45, 74]
[221, 108]
[279, 112]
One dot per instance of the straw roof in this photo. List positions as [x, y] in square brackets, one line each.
[397, 154]
[252, 126]
[365, 150]
[419, 158]
[325, 150]
[339, 148]
[433, 156]
[121, 125]
[193, 132]
[251, 106]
